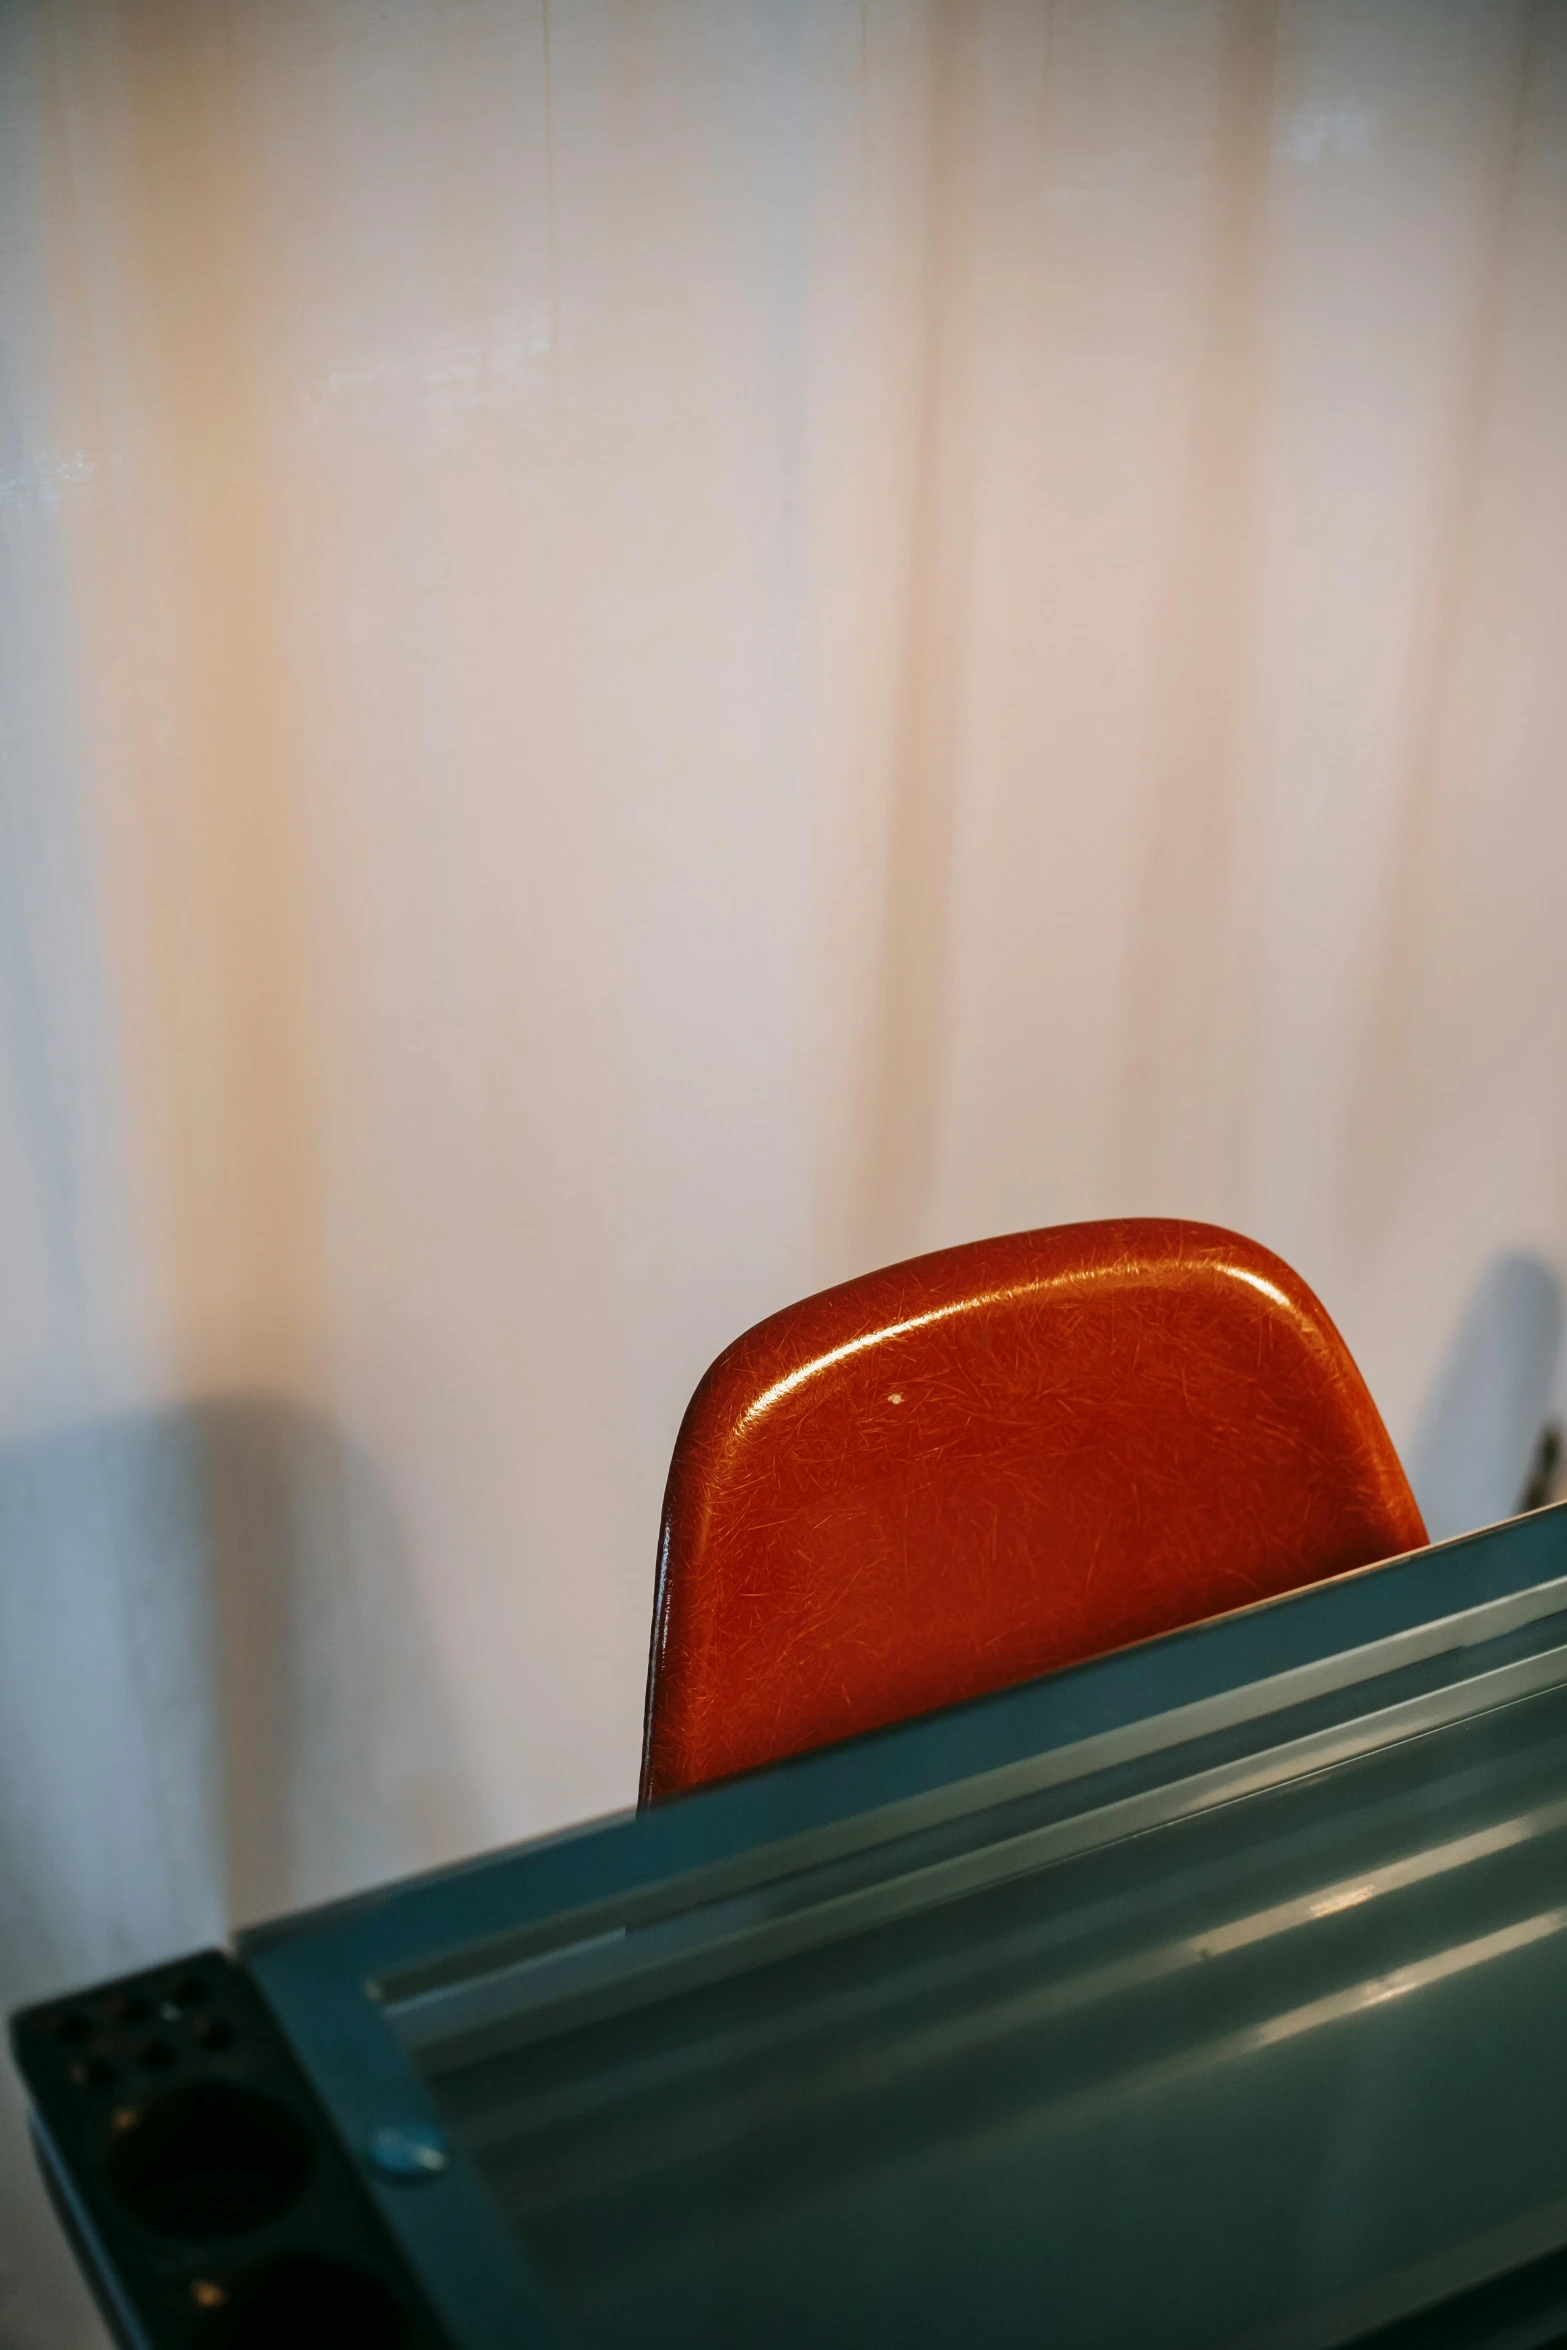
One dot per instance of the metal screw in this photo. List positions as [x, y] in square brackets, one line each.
[408, 2154]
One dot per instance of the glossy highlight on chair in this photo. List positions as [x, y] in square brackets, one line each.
[985, 1463]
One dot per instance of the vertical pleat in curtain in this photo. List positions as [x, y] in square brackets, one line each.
[649, 653]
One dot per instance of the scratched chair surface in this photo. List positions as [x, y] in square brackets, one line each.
[979, 1465]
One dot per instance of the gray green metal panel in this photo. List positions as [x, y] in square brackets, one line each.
[1210, 1992]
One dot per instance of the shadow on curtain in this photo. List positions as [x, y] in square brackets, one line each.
[195, 1729]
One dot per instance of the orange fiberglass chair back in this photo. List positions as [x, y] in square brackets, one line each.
[971, 1468]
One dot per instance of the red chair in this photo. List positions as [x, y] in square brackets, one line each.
[971, 1468]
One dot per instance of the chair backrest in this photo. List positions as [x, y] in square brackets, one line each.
[971, 1468]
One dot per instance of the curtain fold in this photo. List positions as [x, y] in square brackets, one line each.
[650, 653]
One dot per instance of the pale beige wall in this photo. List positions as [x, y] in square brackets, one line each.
[652, 653]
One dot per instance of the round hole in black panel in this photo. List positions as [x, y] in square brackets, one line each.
[75, 2030]
[190, 1991]
[129, 2007]
[309, 2302]
[159, 2057]
[211, 2160]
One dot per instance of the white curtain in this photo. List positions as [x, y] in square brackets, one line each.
[652, 651]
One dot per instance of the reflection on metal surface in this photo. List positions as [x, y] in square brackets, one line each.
[1206, 1997]
[1033, 2045]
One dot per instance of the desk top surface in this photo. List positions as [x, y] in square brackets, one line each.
[1207, 1994]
